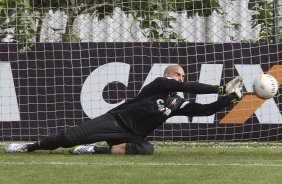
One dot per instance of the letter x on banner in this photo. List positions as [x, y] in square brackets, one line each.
[250, 103]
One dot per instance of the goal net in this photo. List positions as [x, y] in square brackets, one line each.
[65, 62]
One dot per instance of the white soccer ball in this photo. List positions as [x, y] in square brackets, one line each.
[265, 86]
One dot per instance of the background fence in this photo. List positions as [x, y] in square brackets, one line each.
[141, 21]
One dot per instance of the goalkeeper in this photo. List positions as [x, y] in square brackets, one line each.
[125, 127]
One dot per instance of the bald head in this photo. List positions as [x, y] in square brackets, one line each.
[174, 71]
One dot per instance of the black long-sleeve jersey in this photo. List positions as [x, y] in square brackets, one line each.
[157, 102]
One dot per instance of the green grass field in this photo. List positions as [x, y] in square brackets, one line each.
[171, 163]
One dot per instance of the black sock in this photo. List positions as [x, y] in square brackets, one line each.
[102, 150]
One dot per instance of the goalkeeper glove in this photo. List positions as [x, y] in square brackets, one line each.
[230, 86]
[237, 93]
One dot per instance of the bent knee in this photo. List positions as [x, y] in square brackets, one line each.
[143, 148]
[148, 150]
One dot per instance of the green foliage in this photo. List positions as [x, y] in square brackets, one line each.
[22, 19]
[263, 16]
[202, 8]
[18, 19]
[155, 18]
[153, 15]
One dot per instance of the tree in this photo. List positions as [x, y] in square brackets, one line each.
[264, 15]
[23, 18]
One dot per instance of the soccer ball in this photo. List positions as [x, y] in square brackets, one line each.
[265, 86]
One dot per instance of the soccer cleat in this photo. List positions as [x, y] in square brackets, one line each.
[231, 85]
[16, 148]
[81, 149]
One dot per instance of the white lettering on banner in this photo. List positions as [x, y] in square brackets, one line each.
[268, 112]
[94, 105]
[92, 101]
[9, 109]
[209, 74]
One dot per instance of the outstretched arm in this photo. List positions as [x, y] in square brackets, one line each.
[196, 109]
[162, 84]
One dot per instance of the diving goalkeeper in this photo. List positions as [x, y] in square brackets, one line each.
[125, 127]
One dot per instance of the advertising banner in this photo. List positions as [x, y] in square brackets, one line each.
[59, 85]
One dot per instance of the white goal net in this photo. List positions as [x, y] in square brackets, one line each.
[64, 62]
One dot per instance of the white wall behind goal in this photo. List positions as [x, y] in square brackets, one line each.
[122, 28]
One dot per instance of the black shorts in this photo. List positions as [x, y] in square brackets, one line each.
[102, 128]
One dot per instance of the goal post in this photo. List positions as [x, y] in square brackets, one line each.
[67, 68]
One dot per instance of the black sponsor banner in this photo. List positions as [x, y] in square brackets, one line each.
[48, 81]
